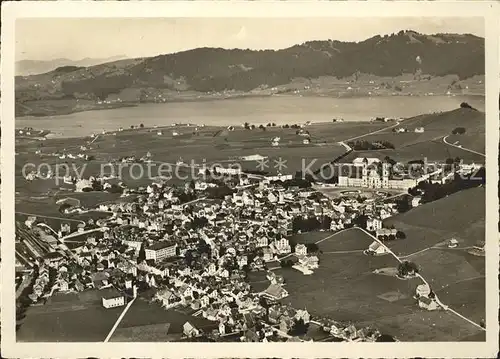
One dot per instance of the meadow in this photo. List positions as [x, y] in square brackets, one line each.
[345, 288]
[69, 318]
[146, 314]
[460, 215]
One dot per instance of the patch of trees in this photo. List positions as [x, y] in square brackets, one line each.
[385, 338]
[360, 221]
[400, 235]
[219, 192]
[407, 269]
[390, 160]
[403, 204]
[298, 181]
[312, 247]
[64, 207]
[362, 145]
[299, 328]
[199, 222]
[435, 191]
[466, 105]
[458, 131]
[185, 197]
[305, 224]
[286, 263]
[114, 189]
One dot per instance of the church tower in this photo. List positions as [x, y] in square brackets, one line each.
[364, 173]
[385, 174]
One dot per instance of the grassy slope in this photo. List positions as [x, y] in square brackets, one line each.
[344, 288]
[430, 145]
[69, 318]
[460, 215]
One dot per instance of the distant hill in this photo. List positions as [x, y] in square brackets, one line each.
[34, 67]
[216, 69]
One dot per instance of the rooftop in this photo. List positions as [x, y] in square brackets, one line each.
[110, 293]
[160, 245]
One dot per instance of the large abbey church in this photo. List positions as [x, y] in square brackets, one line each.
[373, 173]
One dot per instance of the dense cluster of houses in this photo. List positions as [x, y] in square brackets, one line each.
[199, 254]
[196, 250]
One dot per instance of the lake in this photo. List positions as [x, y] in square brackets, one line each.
[254, 110]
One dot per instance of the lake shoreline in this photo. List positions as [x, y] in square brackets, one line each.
[60, 111]
[283, 109]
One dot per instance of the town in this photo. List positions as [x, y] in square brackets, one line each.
[197, 248]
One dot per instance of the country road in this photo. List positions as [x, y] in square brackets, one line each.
[371, 133]
[125, 310]
[462, 148]
[444, 306]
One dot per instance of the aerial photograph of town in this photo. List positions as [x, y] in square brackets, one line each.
[250, 180]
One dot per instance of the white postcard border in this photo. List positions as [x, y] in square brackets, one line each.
[238, 9]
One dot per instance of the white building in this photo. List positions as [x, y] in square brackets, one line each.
[373, 224]
[253, 158]
[282, 246]
[282, 178]
[373, 177]
[377, 249]
[112, 299]
[300, 250]
[161, 250]
[135, 244]
[229, 171]
[360, 161]
[262, 242]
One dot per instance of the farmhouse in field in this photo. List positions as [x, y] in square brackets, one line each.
[189, 330]
[112, 298]
[255, 157]
[376, 249]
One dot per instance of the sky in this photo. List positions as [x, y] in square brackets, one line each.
[98, 38]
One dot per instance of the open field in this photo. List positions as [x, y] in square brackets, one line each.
[429, 144]
[344, 288]
[308, 237]
[435, 150]
[460, 215]
[459, 294]
[144, 314]
[208, 144]
[442, 268]
[435, 126]
[69, 318]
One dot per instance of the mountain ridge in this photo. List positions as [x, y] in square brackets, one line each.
[207, 70]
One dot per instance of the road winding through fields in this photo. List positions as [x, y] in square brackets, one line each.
[462, 148]
[444, 306]
[371, 133]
